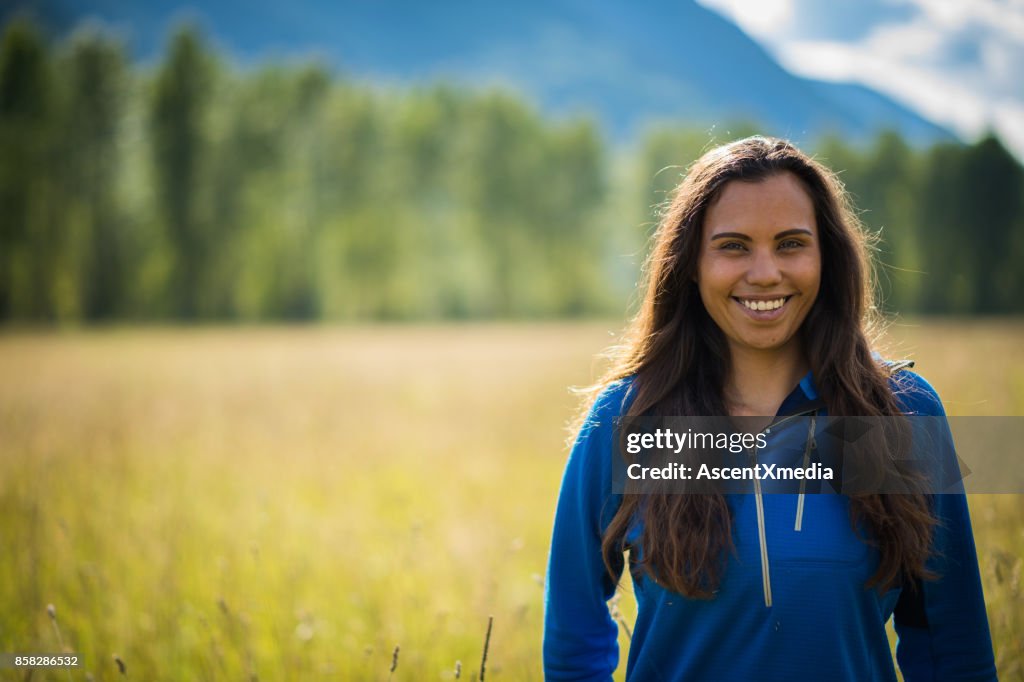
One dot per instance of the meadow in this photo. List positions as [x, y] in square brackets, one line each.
[294, 503]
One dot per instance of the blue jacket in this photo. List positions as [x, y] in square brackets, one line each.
[791, 607]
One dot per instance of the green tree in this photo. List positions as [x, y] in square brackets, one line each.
[26, 151]
[357, 262]
[887, 194]
[991, 198]
[268, 199]
[947, 258]
[502, 150]
[95, 89]
[572, 203]
[181, 100]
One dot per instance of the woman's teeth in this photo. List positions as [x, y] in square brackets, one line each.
[764, 305]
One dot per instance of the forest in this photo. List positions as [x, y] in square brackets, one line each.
[195, 190]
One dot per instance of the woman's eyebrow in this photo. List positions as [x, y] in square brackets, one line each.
[796, 230]
[731, 235]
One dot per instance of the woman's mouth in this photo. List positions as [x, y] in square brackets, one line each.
[763, 308]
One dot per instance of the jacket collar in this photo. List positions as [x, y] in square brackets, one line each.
[802, 399]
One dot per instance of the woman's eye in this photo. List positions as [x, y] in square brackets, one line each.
[733, 246]
[791, 244]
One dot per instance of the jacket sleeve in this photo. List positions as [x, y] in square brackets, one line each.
[580, 636]
[942, 626]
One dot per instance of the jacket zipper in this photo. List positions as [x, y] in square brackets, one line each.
[766, 581]
[811, 444]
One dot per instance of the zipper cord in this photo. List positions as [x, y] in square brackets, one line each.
[811, 445]
[766, 582]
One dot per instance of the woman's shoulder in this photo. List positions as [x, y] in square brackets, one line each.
[915, 395]
[612, 401]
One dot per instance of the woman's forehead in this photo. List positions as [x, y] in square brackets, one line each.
[778, 201]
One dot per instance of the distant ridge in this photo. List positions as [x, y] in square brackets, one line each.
[628, 64]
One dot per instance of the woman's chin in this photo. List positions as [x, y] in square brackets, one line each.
[765, 343]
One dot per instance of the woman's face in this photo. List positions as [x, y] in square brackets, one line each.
[760, 262]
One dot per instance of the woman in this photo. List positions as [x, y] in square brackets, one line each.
[758, 303]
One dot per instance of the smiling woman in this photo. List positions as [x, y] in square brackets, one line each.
[758, 303]
[760, 265]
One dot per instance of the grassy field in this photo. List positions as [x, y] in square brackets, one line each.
[291, 504]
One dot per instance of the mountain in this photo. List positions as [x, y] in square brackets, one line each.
[627, 63]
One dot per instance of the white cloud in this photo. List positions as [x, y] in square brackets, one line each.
[1006, 17]
[758, 18]
[959, 63]
[930, 91]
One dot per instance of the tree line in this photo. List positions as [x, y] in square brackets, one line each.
[191, 190]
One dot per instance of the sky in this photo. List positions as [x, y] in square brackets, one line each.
[957, 62]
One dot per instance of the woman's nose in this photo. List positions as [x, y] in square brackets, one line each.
[764, 270]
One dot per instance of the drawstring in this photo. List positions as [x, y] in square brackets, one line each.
[766, 581]
[811, 444]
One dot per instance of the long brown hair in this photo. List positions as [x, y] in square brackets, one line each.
[678, 359]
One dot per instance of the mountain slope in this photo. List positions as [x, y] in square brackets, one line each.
[628, 63]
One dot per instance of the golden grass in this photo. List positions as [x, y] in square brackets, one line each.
[294, 503]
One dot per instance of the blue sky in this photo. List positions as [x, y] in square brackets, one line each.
[958, 62]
